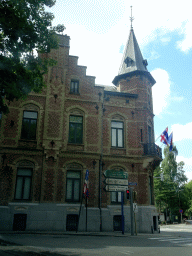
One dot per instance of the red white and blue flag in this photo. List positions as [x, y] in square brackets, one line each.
[170, 141]
[164, 136]
[85, 188]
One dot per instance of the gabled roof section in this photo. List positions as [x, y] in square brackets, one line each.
[132, 57]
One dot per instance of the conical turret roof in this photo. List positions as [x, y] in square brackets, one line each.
[132, 61]
[132, 58]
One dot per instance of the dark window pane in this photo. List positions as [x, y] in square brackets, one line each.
[75, 129]
[76, 190]
[69, 189]
[23, 184]
[72, 133]
[26, 188]
[29, 125]
[74, 87]
[73, 186]
[78, 133]
[18, 193]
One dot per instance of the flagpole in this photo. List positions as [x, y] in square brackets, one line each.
[158, 137]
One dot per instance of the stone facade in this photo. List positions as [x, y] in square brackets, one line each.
[71, 121]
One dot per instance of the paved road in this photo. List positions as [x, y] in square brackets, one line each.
[174, 240]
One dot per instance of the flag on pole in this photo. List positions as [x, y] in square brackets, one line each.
[170, 141]
[164, 136]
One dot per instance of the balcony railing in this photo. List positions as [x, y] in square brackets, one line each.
[152, 149]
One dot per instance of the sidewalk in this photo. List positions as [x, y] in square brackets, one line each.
[73, 233]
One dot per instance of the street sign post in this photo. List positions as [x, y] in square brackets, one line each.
[116, 174]
[132, 183]
[111, 188]
[111, 181]
[117, 181]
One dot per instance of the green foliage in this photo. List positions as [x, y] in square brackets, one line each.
[187, 194]
[25, 29]
[169, 191]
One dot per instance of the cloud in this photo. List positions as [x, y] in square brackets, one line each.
[165, 39]
[161, 90]
[160, 24]
[187, 166]
[181, 132]
[177, 98]
[154, 55]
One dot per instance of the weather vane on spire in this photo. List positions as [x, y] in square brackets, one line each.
[131, 18]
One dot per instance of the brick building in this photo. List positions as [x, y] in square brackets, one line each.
[48, 141]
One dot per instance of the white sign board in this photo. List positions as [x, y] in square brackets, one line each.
[116, 181]
[111, 188]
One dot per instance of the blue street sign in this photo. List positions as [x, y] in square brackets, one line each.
[132, 183]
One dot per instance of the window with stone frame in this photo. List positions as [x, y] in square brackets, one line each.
[75, 129]
[117, 134]
[74, 87]
[29, 125]
[73, 186]
[23, 183]
[115, 197]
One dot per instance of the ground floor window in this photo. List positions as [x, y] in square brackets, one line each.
[23, 184]
[116, 197]
[73, 186]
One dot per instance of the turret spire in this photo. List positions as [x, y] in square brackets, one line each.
[131, 19]
[132, 61]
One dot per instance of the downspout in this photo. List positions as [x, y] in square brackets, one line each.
[101, 168]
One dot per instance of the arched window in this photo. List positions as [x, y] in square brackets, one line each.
[117, 132]
[29, 123]
[24, 181]
[76, 127]
[73, 183]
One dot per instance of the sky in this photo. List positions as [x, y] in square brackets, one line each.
[99, 30]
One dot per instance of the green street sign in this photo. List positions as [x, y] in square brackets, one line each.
[116, 174]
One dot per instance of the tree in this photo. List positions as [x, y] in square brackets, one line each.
[168, 192]
[25, 29]
[187, 194]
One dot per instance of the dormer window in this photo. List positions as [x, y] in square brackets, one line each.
[145, 63]
[128, 61]
[74, 87]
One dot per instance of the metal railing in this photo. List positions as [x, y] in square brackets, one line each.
[152, 149]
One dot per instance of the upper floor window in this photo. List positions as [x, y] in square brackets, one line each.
[73, 186]
[74, 87]
[29, 125]
[75, 129]
[117, 134]
[23, 184]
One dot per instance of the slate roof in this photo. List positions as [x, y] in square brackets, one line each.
[132, 62]
[132, 58]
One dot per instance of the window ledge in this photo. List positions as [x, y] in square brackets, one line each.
[27, 143]
[75, 147]
[118, 151]
[74, 93]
